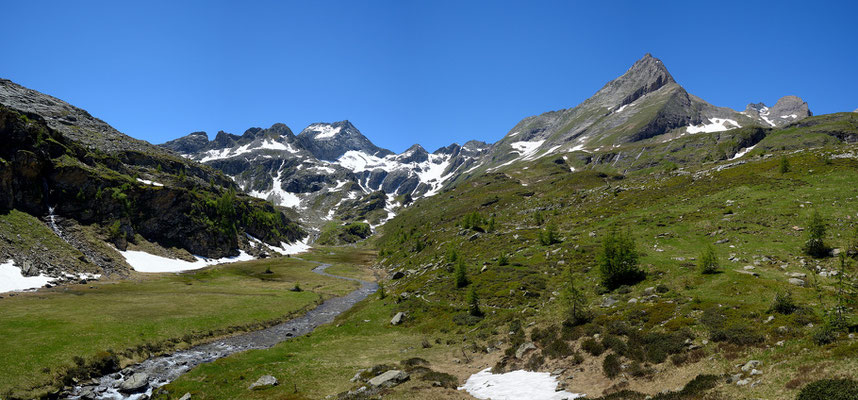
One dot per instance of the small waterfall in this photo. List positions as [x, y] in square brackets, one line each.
[52, 220]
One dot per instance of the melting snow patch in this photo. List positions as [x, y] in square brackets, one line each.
[324, 131]
[743, 152]
[515, 385]
[527, 149]
[621, 108]
[292, 248]
[12, 280]
[147, 182]
[714, 125]
[145, 262]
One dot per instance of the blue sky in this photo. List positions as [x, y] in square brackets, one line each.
[406, 72]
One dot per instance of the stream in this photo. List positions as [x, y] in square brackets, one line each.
[141, 379]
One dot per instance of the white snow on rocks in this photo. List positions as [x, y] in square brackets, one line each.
[743, 152]
[142, 261]
[714, 125]
[515, 385]
[277, 195]
[148, 182]
[527, 150]
[12, 280]
[325, 131]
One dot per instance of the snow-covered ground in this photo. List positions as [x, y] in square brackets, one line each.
[148, 182]
[515, 385]
[142, 261]
[12, 280]
[743, 152]
[714, 125]
[324, 131]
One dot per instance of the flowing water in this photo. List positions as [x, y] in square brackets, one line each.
[163, 370]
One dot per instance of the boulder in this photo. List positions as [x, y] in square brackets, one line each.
[389, 379]
[186, 396]
[796, 281]
[398, 318]
[264, 382]
[750, 365]
[135, 383]
[523, 349]
[608, 302]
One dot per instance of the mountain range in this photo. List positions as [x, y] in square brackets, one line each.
[330, 169]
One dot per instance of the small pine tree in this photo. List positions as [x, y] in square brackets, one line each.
[618, 262]
[538, 218]
[784, 167]
[708, 262]
[461, 275]
[574, 299]
[474, 303]
[381, 293]
[548, 236]
[815, 245]
[491, 224]
[452, 254]
[838, 319]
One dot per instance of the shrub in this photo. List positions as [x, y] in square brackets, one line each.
[614, 343]
[593, 347]
[815, 245]
[824, 334]
[618, 262]
[557, 349]
[548, 236]
[708, 262]
[446, 380]
[830, 389]
[783, 304]
[611, 365]
[466, 319]
[503, 260]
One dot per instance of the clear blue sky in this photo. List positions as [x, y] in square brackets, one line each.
[407, 72]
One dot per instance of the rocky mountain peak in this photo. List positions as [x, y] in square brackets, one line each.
[415, 153]
[329, 141]
[645, 76]
[788, 109]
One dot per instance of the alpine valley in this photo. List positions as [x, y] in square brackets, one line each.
[644, 244]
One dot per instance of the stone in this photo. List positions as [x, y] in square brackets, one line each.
[264, 382]
[633, 300]
[650, 290]
[186, 396]
[796, 281]
[397, 275]
[743, 382]
[756, 372]
[750, 365]
[608, 302]
[135, 383]
[523, 349]
[769, 319]
[796, 275]
[398, 318]
[749, 267]
[389, 379]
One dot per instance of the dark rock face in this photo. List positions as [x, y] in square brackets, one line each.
[188, 144]
[135, 189]
[329, 142]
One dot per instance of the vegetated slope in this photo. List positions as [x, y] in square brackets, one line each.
[78, 183]
[327, 168]
[517, 233]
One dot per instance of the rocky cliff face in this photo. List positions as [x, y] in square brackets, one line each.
[78, 174]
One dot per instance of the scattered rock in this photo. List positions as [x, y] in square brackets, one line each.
[743, 382]
[796, 275]
[389, 379]
[523, 349]
[750, 365]
[608, 302]
[398, 318]
[135, 383]
[769, 319]
[187, 396]
[796, 281]
[650, 290]
[264, 382]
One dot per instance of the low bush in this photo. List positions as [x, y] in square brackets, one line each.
[830, 389]
[611, 365]
[444, 379]
[593, 347]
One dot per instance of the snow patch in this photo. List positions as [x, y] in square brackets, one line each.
[743, 152]
[13, 280]
[527, 150]
[142, 261]
[515, 385]
[714, 125]
[324, 131]
[148, 182]
[621, 108]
